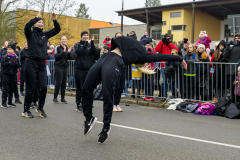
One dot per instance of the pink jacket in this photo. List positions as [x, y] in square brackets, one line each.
[206, 41]
[237, 86]
[205, 108]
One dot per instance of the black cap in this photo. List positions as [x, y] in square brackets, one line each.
[84, 32]
[167, 35]
[13, 46]
[106, 47]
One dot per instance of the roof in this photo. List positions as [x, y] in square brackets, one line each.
[217, 8]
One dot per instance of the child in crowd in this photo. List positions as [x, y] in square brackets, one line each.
[10, 65]
[203, 38]
[136, 80]
[237, 85]
[203, 73]
[171, 72]
[190, 73]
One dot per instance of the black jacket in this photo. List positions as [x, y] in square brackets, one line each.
[37, 41]
[87, 54]
[23, 57]
[10, 65]
[61, 57]
[132, 36]
[232, 54]
[203, 69]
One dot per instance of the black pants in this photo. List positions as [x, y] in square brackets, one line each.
[120, 87]
[7, 87]
[136, 83]
[107, 69]
[15, 87]
[80, 77]
[36, 93]
[149, 84]
[22, 80]
[35, 70]
[61, 74]
[190, 88]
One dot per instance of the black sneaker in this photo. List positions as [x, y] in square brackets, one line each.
[55, 101]
[17, 101]
[88, 125]
[41, 113]
[4, 105]
[27, 114]
[10, 104]
[32, 106]
[22, 94]
[104, 135]
[64, 101]
[79, 108]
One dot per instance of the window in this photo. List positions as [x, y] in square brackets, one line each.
[227, 30]
[179, 28]
[156, 34]
[164, 23]
[175, 14]
[95, 36]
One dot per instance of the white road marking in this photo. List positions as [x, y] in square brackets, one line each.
[175, 136]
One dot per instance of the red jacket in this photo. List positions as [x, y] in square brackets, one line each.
[163, 48]
[105, 42]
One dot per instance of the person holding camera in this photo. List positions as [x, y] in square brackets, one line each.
[182, 47]
[132, 35]
[232, 54]
[165, 47]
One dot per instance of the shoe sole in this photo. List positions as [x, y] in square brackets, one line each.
[95, 119]
[27, 116]
[3, 107]
[78, 111]
[55, 102]
[11, 106]
[39, 114]
[106, 139]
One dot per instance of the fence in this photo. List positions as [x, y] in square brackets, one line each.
[201, 82]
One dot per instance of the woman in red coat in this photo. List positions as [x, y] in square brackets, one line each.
[107, 41]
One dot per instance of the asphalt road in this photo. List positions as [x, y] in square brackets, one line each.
[138, 133]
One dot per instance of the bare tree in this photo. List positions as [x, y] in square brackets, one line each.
[153, 3]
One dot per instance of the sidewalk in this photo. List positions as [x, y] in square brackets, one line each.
[126, 100]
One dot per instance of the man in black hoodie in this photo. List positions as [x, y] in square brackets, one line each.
[232, 54]
[86, 57]
[23, 54]
[132, 35]
[35, 65]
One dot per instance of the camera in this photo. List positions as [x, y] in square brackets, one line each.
[185, 40]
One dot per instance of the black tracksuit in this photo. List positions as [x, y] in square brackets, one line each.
[9, 70]
[86, 57]
[110, 67]
[35, 65]
[23, 54]
[61, 70]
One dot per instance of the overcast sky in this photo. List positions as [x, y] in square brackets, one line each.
[104, 10]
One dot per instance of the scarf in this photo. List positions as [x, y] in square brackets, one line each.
[11, 55]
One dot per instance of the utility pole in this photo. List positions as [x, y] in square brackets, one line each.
[122, 18]
[193, 21]
[147, 20]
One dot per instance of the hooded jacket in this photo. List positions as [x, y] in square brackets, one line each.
[132, 36]
[37, 40]
[61, 57]
[232, 54]
[163, 48]
[23, 55]
[87, 54]
[206, 41]
[10, 64]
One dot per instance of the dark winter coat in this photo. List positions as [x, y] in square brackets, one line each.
[61, 57]
[23, 57]
[170, 70]
[87, 54]
[232, 54]
[10, 65]
[37, 41]
[132, 36]
[192, 67]
[203, 69]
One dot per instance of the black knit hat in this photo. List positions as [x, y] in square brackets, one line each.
[83, 32]
[13, 46]
[222, 42]
[167, 35]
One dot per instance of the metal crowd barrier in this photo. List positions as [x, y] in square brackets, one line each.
[212, 80]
